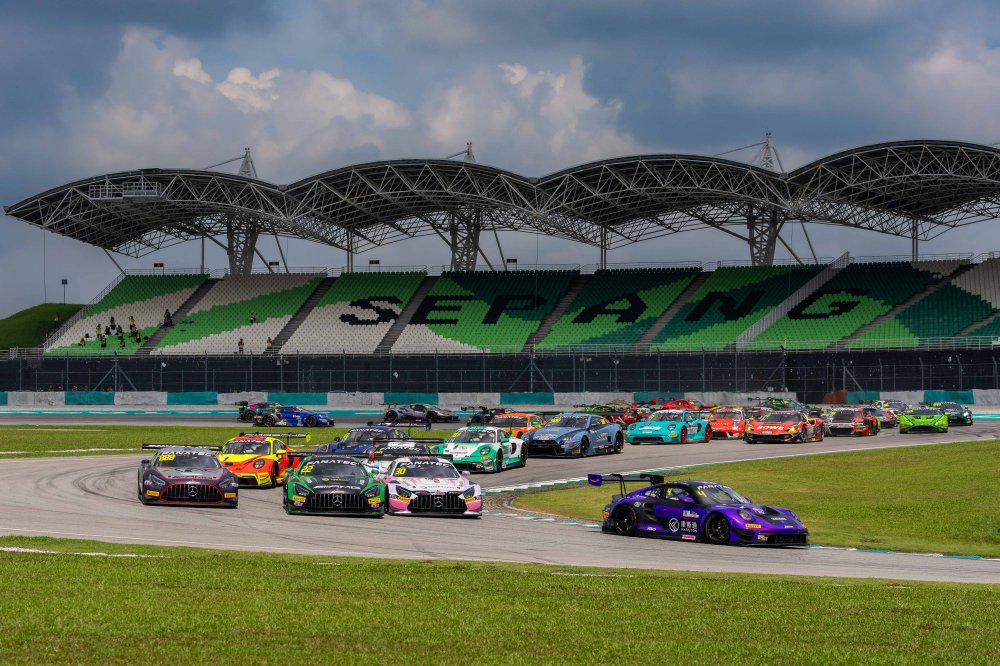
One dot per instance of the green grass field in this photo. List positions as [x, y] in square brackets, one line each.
[201, 606]
[29, 327]
[939, 499]
[22, 441]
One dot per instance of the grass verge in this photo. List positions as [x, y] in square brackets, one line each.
[29, 327]
[938, 499]
[23, 441]
[201, 606]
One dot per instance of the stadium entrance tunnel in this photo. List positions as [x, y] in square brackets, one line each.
[811, 375]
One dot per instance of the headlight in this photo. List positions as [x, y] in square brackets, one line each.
[259, 463]
[671, 426]
[747, 516]
[471, 492]
[157, 481]
[372, 492]
[231, 482]
[299, 489]
[403, 492]
[483, 450]
[792, 431]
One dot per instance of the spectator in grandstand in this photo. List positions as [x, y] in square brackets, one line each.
[108, 331]
[82, 342]
[253, 317]
[98, 328]
[131, 321]
[167, 319]
[121, 342]
[270, 342]
[55, 320]
[113, 322]
[104, 341]
[240, 345]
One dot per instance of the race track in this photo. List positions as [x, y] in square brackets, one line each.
[94, 498]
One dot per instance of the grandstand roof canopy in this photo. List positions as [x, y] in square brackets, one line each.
[903, 187]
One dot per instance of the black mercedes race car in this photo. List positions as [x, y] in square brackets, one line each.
[189, 475]
[248, 411]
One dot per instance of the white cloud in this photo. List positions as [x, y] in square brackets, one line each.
[190, 68]
[249, 92]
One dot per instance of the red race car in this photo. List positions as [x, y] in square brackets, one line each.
[852, 421]
[728, 423]
[785, 426]
[684, 403]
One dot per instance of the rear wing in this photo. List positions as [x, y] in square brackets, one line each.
[418, 456]
[284, 435]
[422, 440]
[157, 447]
[597, 480]
[295, 458]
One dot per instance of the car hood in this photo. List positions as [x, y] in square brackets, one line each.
[764, 514]
[345, 484]
[555, 433]
[785, 425]
[464, 449]
[174, 474]
[240, 458]
[433, 484]
[653, 426]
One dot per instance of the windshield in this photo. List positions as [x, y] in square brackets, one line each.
[426, 469]
[668, 416]
[570, 421]
[924, 412]
[333, 470]
[952, 405]
[716, 494]
[243, 447]
[474, 436]
[846, 414]
[362, 436]
[187, 460]
[510, 421]
[780, 417]
[736, 416]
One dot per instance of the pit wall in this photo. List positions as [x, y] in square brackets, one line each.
[375, 400]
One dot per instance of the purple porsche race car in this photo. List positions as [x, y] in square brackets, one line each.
[696, 511]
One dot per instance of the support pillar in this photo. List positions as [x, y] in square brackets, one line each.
[914, 242]
[464, 229]
[241, 242]
[350, 252]
[604, 247]
[762, 230]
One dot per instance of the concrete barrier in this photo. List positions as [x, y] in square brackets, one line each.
[527, 398]
[591, 398]
[193, 398]
[311, 399]
[410, 398]
[964, 397]
[140, 398]
[986, 397]
[229, 399]
[341, 399]
[909, 397]
[468, 399]
[36, 398]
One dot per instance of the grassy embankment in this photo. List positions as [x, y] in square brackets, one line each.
[21, 441]
[29, 327]
[204, 606]
[939, 499]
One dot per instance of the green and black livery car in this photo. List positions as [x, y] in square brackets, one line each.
[923, 419]
[333, 484]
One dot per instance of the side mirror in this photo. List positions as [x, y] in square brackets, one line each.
[144, 462]
[381, 478]
[336, 439]
[466, 475]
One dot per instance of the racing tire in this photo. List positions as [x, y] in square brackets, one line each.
[819, 436]
[524, 455]
[248, 417]
[497, 464]
[684, 435]
[619, 444]
[274, 476]
[432, 417]
[311, 422]
[708, 434]
[391, 416]
[476, 419]
[717, 529]
[625, 520]
[584, 447]
[269, 420]
[141, 495]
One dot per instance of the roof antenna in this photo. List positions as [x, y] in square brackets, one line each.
[247, 168]
[469, 157]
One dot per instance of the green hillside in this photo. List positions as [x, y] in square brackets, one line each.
[28, 328]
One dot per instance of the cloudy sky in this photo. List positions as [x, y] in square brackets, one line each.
[537, 86]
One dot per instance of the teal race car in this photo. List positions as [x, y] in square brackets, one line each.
[670, 426]
[923, 419]
[333, 484]
[484, 448]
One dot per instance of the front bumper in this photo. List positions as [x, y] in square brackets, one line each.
[958, 419]
[436, 504]
[922, 428]
[336, 503]
[770, 537]
[837, 430]
[191, 494]
[727, 434]
[771, 437]
[473, 464]
[551, 448]
[653, 438]
[255, 479]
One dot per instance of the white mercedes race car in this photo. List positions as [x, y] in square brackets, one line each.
[431, 485]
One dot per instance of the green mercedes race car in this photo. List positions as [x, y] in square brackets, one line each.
[484, 448]
[328, 483]
[923, 419]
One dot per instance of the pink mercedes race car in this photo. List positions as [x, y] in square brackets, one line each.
[430, 485]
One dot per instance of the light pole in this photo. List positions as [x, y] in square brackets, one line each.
[64, 283]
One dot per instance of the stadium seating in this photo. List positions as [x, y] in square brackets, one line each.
[473, 311]
[143, 297]
[222, 316]
[851, 299]
[616, 307]
[355, 314]
[730, 301]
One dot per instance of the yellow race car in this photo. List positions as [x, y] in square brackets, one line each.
[259, 460]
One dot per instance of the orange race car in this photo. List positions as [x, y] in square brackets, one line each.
[518, 423]
[259, 460]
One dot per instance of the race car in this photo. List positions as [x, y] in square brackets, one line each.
[696, 511]
[853, 421]
[325, 483]
[789, 404]
[667, 426]
[485, 448]
[381, 454]
[622, 413]
[420, 413]
[431, 485]
[249, 410]
[728, 423]
[957, 414]
[178, 474]
[684, 403]
[484, 414]
[359, 439]
[888, 418]
[785, 426]
[290, 415]
[923, 419]
[258, 460]
[576, 434]
[517, 423]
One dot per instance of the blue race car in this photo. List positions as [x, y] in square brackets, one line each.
[696, 511]
[359, 440]
[290, 415]
[671, 426]
[576, 434]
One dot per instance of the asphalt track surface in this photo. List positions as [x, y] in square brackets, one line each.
[95, 498]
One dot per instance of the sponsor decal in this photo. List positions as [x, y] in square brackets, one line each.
[471, 499]
[689, 526]
[690, 514]
[374, 501]
[754, 526]
[229, 495]
[688, 537]
[761, 537]
[153, 493]
[789, 527]
[674, 525]
[650, 529]
[298, 498]
[402, 500]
